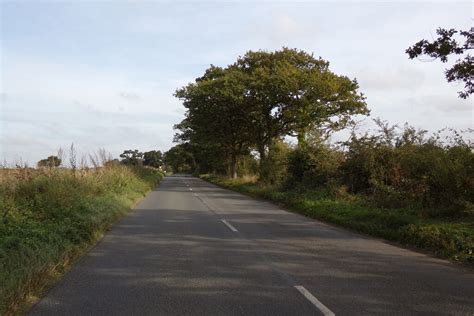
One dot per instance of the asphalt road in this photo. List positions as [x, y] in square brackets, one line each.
[191, 248]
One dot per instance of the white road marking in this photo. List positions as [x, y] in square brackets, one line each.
[190, 189]
[195, 194]
[232, 228]
[326, 311]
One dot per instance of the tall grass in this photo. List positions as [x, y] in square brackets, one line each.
[49, 216]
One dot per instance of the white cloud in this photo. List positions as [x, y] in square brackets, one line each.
[130, 96]
[448, 105]
[47, 105]
[29, 78]
[391, 77]
[286, 25]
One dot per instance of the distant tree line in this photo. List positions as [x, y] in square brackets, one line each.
[152, 158]
[50, 162]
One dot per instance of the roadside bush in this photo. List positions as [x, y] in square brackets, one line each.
[405, 169]
[391, 168]
[274, 170]
[247, 166]
[314, 166]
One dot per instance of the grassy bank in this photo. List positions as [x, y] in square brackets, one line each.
[451, 238]
[51, 216]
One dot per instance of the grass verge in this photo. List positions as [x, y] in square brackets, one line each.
[450, 238]
[52, 216]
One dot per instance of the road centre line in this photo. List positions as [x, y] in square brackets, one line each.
[232, 228]
[326, 311]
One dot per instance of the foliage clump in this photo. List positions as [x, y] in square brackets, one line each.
[447, 45]
[400, 169]
[242, 109]
[152, 158]
[50, 162]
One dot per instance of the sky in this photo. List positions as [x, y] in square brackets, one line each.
[101, 74]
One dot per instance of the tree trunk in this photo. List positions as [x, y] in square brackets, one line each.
[233, 166]
[261, 152]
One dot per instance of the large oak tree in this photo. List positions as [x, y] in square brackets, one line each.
[216, 114]
[262, 97]
[290, 92]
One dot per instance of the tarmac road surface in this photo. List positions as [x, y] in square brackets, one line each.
[191, 248]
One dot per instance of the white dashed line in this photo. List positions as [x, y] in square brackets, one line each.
[326, 311]
[232, 228]
[195, 194]
[190, 189]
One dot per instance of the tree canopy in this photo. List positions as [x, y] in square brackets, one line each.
[51, 162]
[445, 46]
[264, 96]
[180, 158]
[292, 92]
[216, 116]
[132, 157]
[153, 158]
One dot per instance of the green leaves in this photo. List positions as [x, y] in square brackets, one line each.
[50, 162]
[262, 97]
[444, 46]
[153, 158]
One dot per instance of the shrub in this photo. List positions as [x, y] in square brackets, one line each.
[314, 166]
[274, 169]
[247, 166]
[405, 169]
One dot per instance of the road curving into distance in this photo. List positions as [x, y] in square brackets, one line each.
[192, 248]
